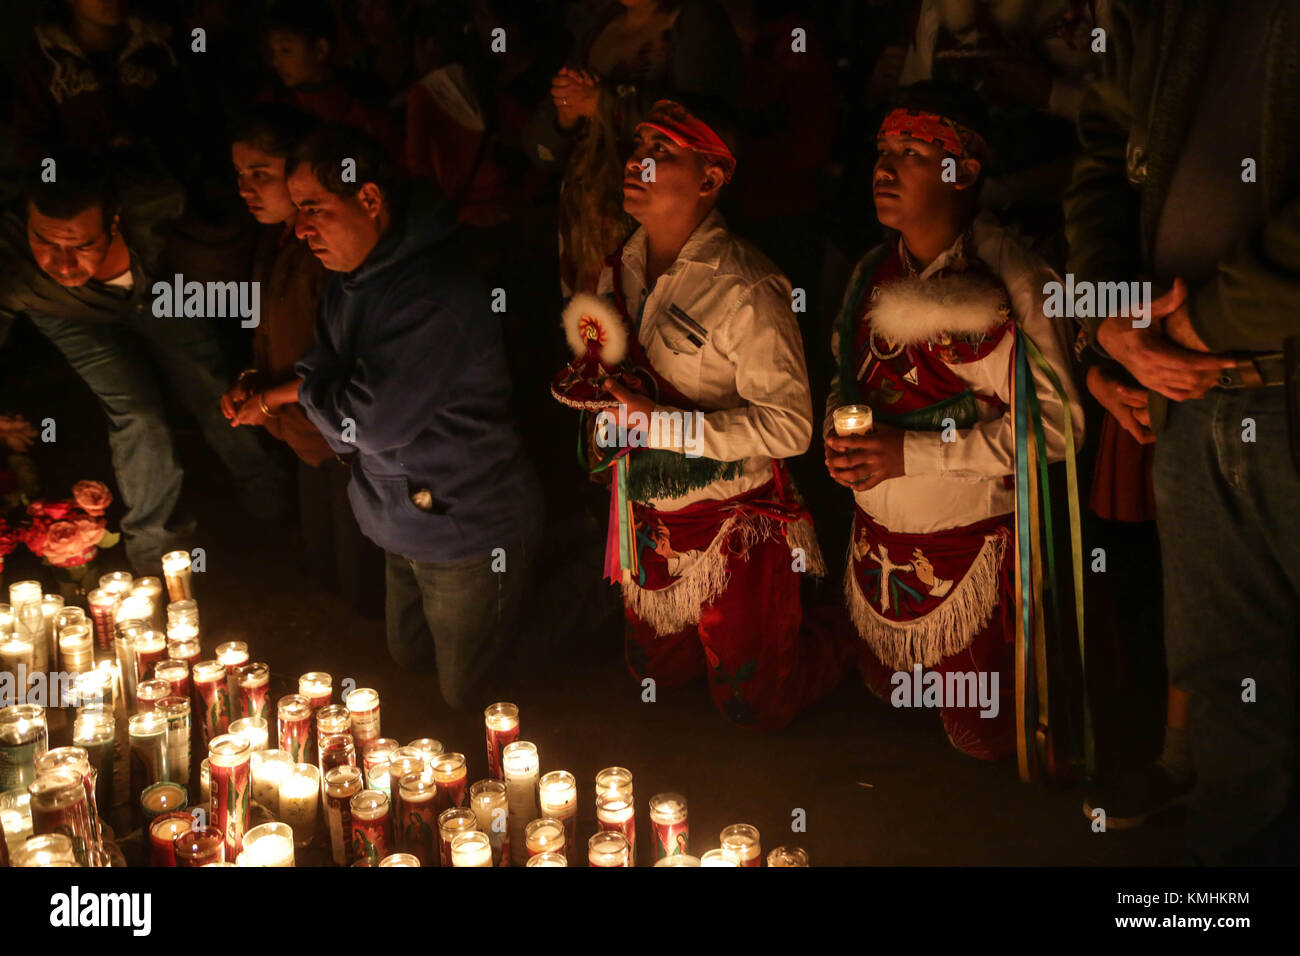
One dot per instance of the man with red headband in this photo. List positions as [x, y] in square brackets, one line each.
[707, 536]
[928, 338]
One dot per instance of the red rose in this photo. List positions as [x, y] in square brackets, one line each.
[93, 497]
[54, 510]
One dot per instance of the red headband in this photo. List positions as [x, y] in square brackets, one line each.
[688, 132]
[936, 129]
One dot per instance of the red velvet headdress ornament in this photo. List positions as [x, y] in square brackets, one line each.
[959, 140]
[689, 132]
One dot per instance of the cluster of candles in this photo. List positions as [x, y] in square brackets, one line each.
[381, 803]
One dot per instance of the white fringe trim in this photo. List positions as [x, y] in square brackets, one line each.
[946, 630]
[677, 606]
[913, 311]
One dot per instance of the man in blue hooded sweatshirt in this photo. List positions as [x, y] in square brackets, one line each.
[408, 372]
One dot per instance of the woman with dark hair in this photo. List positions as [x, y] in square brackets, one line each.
[292, 279]
[632, 54]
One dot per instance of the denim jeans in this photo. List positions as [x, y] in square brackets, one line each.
[1229, 519]
[457, 616]
[119, 362]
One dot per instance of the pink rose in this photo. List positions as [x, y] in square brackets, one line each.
[67, 542]
[93, 497]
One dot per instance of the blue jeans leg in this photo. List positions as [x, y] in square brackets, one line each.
[1230, 547]
[116, 368]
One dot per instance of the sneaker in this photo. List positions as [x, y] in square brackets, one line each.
[1132, 798]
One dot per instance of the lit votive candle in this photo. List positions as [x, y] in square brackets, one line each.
[254, 729]
[269, 770]
[557, 798]
[341, 785]
[148, 693]
[501, 722]
[487, 798]
[149, 757]
[51, 605]
[787, 856]
[176, 674]
[151, 588]
[24, 738]
[118, 582]
[102, 605]
[300, 801]
[520, 764]
[337, 750]
[670, 825]
[400, 859]
[200, 846]
[717, 857]
[608, 848]
[96, 686]
[332, 719]
[186, 650]
[176, 711]
[253, 681]
[59, 805]
[363, 711]
[178, 574]
[543, 835]
[471, 848]
[49, 849]
[161, 798]
[375, 763]
[95, 733]
[269, 844]
[416, 822]
[230, 766]
[741, 841]
[452, 779]
[852, 420]
[681, 859]
[163, 832]
[427, 747]
[76, 649]
[232, 654]
[614, 811]
[17, 662]
[549, 858]
[150, 647]
[451, 823]
[183, 620]
[317, 687]
[209, 679]
[371, 839]
[293, 727]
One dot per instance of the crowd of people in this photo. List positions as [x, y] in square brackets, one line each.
[757, 210]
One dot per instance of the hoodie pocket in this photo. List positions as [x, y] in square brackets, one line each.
[422, 499]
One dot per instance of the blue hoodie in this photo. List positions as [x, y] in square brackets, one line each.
[409, 350]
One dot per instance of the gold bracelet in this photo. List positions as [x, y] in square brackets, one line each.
[266, 410]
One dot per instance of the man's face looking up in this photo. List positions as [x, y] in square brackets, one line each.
[69, 251]
[681, 176]
[341, 230]
[908, 184]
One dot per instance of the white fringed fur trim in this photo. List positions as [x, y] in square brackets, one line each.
[947, 629]
[913, 311]
[669, 610]
[585, 304]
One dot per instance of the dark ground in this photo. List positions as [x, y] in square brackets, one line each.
[879, 786]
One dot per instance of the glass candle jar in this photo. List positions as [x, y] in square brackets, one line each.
[548, 858]
[76, 649]
[149, 756]
[232, 654]
[317, 687]
[51, 605]
[230, 768]
[269, 769]
[161, 798]
[96, 686]
[183, 620]
[118, 582]
[150, 647]
[341, 785]
[614, 811]
[253, 729]
[452, 779]
[371, 841]
[426, 747]
[681, 859]
[253, 681]
[151, 588]
[17, 664]
[450, 823]
[363, 711]
[209, 678]
[176, 674]
[519, 764]
[557, 799]
[544, 835]
[614, 780]
[717, 857]
[76, 760]
[332, 719]
[50, 849]
[148, 693]
[176, 711]
[205, 784]
[95, 733]
[269, 844]
[404, 761]
[471, 848]
[400, 859]
[375, 763]
[417, 818]
[200, 846]
[23, 738]
[300, 801]
[163, 832]
[670, 825]
[337, 750]
[487, 798]
[124, 635]
[501, 722]
[787, 856]
[852, 420]
[741, 842]
[608, 848]
[293, 727]
[59, 805]
[186, 649]
[102, 606]
[179, 575]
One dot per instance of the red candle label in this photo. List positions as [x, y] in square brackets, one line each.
[450, 793]
[216, 707]
[419, 822]
[295, 737]
[370, 839]
[230, 797]
[628, 829]
[339, 810]
[72, 820]
[671, 839]
[145, 660]
[252, 701]
[496, 742]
